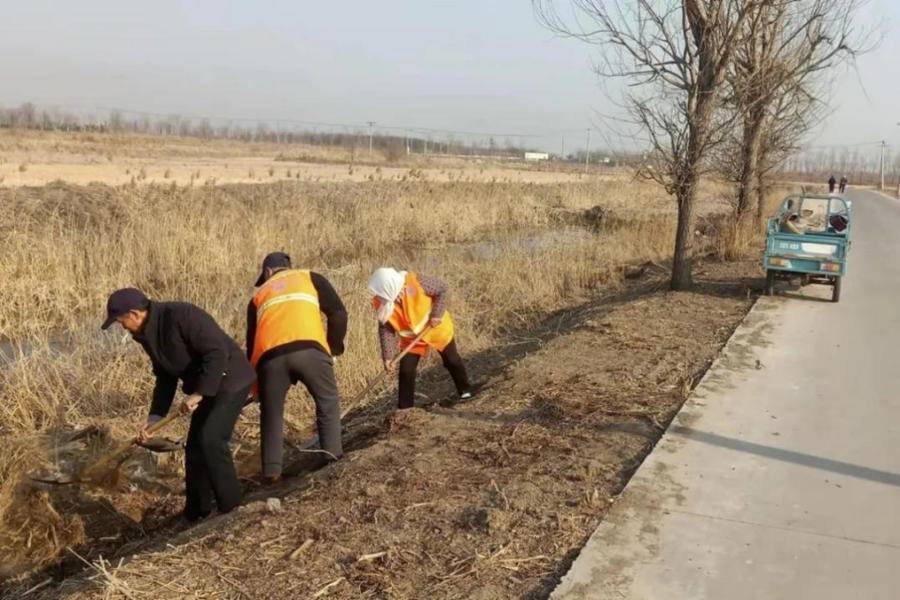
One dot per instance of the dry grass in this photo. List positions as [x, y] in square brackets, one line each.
[68, 246]
[38, 158]
[508, 251]
[108, 147]
[33, 532]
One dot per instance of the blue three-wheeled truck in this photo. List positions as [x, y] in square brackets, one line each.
[809, 238]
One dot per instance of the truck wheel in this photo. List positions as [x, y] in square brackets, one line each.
[770, 282]
[836, 291]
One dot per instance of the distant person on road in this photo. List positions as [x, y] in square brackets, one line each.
[184, 342]
[405, 304]
[843, 186]
[831, 182]
[288, 343]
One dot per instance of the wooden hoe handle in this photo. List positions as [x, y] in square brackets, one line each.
[126, 446]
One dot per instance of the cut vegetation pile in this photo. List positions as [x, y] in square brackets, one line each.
[512, 254]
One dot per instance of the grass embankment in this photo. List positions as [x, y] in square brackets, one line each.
[68, 246]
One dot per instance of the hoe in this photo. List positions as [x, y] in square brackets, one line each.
[91, 472]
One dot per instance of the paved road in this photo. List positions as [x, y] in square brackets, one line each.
[780, 478]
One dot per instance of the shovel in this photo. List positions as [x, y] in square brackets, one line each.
[87, 474]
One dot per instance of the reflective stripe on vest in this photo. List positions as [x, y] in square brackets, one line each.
[411, 333]
[287, 310]
[297, 297]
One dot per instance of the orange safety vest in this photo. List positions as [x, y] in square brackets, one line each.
[287, 310]
[411, 315]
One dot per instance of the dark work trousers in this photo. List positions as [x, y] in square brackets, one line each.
[276, 375]
[410, 363]
[208, 466]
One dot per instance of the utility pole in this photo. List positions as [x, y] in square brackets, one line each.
[562, 149]
[371, 132]
[898, 180]
[587, 154]
[882, 165]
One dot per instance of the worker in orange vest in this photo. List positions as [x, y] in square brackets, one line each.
[286, 343]
[406, 303]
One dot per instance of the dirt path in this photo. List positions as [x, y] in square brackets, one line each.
[488, 499]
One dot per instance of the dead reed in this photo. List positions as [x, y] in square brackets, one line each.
[508, 251]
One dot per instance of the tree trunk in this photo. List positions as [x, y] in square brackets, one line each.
[682, 261]
[686, 176]
[750, 148]
[760, 200]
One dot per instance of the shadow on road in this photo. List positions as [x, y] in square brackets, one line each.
[799, 458]
[797, 294]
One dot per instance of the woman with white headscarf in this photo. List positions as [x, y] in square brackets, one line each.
[405, 304]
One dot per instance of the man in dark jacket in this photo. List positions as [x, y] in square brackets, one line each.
[184, 342]
[287, 343]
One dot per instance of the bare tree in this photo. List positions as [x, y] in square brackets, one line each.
[204, 129]
[28, 114]
[116, 121]
[788, 50]
[789, 120]
[786, 123]
[676, 55]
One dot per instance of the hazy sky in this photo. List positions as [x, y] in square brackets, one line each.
[473, 65]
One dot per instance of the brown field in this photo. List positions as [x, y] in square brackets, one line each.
[37, 158]
[530, 261]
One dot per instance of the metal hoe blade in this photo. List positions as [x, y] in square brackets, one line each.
[57, 478]
[86, 475]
